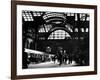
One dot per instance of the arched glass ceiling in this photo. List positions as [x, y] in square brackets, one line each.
[54, 17]
[53, 14]
[29, 15]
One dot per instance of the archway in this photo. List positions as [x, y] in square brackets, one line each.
[59, 31]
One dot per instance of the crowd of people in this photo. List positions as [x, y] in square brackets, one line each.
[61, 56]
[64, 57]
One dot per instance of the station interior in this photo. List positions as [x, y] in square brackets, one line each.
[45, 33]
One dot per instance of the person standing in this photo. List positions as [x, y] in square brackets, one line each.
[60, 55]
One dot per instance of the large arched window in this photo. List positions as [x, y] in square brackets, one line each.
[59, 34]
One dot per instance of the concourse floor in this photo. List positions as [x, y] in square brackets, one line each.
[51, 64]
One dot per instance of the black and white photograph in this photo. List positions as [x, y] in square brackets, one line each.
[55, 39]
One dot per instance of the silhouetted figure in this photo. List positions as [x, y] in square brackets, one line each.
[25, 60]
[60, 55]
[86, 57]
[54, 58]
[70, 58]
[65, 57]
[79, 56]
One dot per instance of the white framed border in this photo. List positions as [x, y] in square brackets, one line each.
[21, 71]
